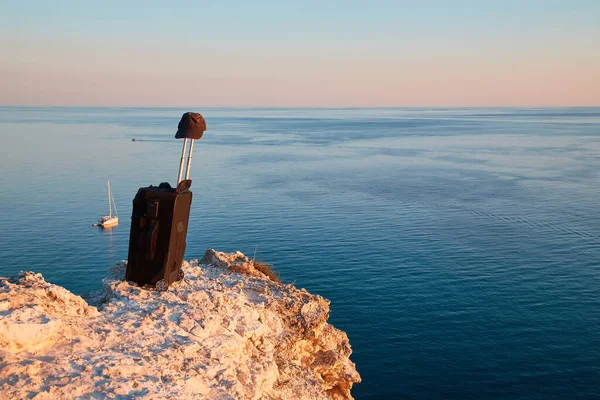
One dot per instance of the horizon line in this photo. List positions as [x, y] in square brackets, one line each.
[292, 106]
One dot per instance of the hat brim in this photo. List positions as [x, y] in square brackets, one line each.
[194, 134]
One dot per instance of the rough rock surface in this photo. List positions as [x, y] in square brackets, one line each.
[224, 332]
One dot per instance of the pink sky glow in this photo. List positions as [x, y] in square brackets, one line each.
[37, 71]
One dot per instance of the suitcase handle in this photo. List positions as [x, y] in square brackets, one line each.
[189, 161]
[184, 186]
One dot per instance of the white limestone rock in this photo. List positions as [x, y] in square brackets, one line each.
[226, 331]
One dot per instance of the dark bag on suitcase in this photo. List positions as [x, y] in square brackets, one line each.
[159, 220]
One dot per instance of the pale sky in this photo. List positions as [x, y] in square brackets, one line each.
[302, 53]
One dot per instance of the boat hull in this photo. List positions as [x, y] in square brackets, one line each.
[108, 221]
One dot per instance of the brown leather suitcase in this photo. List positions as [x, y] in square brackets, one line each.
[159, 220]
[157, 239]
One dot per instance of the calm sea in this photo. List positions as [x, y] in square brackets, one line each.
[460, 248]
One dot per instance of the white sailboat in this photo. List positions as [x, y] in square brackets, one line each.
[110, 220]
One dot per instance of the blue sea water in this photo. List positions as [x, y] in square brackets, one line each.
[459, 247]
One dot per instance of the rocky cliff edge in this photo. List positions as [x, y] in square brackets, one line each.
[226, 331]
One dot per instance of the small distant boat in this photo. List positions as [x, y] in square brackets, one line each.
[133, 139]
[110, 220]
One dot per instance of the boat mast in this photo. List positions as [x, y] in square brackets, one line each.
[109, 205]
